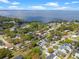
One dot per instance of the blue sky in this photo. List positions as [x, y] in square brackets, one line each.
[39, 4]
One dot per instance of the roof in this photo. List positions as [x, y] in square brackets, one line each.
[1, 43]
[50, 56]
[65, 45]
[19, 57]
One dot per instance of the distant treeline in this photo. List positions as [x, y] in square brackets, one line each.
[17, 20]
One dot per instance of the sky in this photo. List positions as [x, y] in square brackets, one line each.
[39, 4]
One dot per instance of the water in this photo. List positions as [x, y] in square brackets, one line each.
[41, 15]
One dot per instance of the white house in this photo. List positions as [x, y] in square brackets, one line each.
[76, 55]
[63, 50]
[42, 43]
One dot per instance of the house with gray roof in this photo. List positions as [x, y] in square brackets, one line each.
[19, 57]
[52, 56]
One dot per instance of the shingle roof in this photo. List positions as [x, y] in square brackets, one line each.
[19, 57]
[50, 56]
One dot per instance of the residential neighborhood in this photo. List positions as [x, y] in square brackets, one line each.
[37, 40]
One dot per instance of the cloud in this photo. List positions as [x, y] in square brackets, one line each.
[52, 4]
[5, 1]
[12, 7]
[15, 7]
[55, 6]
[61, 8]
[67, 3]
[9, 2]
[37, 7]
[48, 6]
[73, 2]
[15, 3]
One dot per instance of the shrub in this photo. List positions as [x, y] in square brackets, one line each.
[50, 50]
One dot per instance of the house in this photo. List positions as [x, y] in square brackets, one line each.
[1, 33]
[18, 57]
[17, 46]
[1, 28]
[6, 58]
[13, 28]
[41, 43]
[63, 50]
[52, 56]
[17, 36]
[2, 44]
[76, 53]
[59, 53]
[66, 47]
[74, 37]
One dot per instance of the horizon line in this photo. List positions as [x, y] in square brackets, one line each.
[34, 10]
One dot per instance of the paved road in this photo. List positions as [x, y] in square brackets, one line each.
[8, 45]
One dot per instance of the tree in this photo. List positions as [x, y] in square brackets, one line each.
[10, 33]
[43, 56]
[77, 44]
[50, 50]
[34, 43]
[49, 36]
[28, 57]
[27, 36]
[34, 53]
[16, 41]
[5, 53]
[68, 40]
